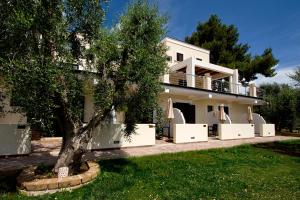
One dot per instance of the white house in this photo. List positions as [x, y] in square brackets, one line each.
[198, 90]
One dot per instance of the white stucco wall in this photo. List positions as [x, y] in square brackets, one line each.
[178, 119]
[213, 117]
[14, 140]
[235, 131]
[184, 133]
[112, 136]
[175, 46]
[266, 130]
[15, 137]
[236, 110]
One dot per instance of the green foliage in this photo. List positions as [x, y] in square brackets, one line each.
[223, 42]
[282, 105]
[296, 76]
[140, 32]
[42, 41]
[34, 34]
[131, 59]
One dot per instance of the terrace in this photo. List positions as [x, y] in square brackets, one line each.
[198, 74]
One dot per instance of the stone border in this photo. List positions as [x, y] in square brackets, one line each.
[36, 187]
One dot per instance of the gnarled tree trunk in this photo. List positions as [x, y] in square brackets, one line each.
[75, 140]
[72, 150]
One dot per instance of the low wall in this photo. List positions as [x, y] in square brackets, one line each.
[266, 130]
[15, 139]
[235, 131]
[184, 133]
[112, 136]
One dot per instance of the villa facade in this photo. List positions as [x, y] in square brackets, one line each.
[199, 92]
[199, 88]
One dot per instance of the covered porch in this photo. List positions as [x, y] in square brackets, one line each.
[196, 115]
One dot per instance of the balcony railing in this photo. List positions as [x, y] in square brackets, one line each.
[226, 87]
[188, 80]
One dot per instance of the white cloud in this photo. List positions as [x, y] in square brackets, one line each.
[281, 76]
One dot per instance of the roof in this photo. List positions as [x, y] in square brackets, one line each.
[185, 44]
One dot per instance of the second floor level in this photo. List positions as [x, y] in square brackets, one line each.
[189, 66]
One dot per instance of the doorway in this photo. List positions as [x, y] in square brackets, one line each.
[188, 111]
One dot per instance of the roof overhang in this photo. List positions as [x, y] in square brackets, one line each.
[181, 43]
[216, 70]
[198, 94]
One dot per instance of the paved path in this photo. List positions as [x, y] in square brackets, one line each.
[45, 151]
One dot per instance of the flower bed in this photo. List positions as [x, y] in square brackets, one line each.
[29, 185]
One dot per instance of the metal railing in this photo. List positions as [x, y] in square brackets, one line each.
[181, 79]
[226, 87]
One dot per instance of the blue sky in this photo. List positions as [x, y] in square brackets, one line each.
[261, 24]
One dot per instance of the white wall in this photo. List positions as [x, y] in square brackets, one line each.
[266, 130]
[15, 137]
[175, 46]
[236, 110]
[112, 136]
[213, 117]
[184, 133]
[178, 119]
[235, 131]
[14, 140]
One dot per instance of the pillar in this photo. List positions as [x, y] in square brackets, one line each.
[235, 81]
[190, 74]
[207, 81]
[252, 90]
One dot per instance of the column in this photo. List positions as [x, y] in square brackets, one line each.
[190, 74]
[235, 81]
[230, 84]
[207, 81]
[252, 90]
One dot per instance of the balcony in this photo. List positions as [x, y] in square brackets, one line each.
[223, 85]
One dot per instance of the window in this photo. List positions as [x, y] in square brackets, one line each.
[226, 109]
[182, 82]
[179, 57]
[209, 108]
[200, 59]
[169, 58]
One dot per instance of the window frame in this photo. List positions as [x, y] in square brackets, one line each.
[178, 56]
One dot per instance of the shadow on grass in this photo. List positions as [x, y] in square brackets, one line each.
[291, 148]
[118, 165]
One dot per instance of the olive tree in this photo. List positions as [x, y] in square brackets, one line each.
[42, 41]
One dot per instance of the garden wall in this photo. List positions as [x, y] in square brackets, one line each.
[112, 136]
[184, 133]
[235, 131]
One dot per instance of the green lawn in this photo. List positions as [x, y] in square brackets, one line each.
[262, 171]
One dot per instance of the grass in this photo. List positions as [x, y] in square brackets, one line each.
[264, 171]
